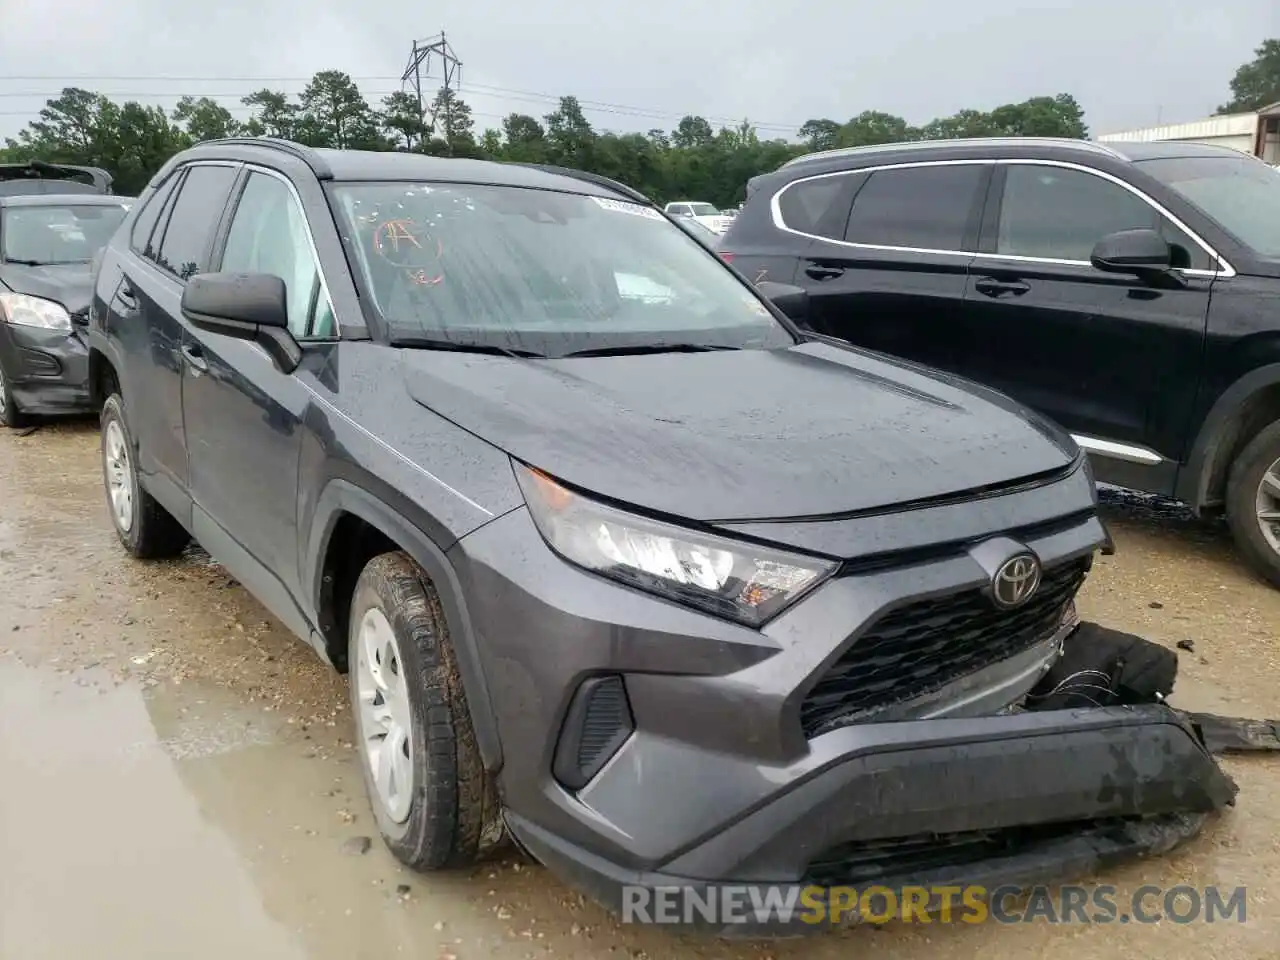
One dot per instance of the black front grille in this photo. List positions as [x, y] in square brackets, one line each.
[917, 649]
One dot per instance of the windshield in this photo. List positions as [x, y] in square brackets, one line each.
[70, 233]
[1241, 193]
[541, 272]
[704, 210]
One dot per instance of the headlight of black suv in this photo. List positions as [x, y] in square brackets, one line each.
[728, 578]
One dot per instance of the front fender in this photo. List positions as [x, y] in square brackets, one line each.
[1218, 433]
[340, 497]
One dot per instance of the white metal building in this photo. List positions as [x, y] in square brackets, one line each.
[1256, 133]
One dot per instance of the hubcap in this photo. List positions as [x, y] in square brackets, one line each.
[4, 398]
[385, 723]
[119, 470]
[1268, 506]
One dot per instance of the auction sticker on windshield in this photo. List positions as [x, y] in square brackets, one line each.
[621, 206]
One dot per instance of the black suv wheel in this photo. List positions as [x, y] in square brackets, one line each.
[1253, 503]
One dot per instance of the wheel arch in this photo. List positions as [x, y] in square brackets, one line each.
[1243, 409]
[104, 379]
[349, 527]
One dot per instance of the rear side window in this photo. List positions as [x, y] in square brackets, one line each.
[925, 208]
[185, 248]
[810, 206]
[145, 224]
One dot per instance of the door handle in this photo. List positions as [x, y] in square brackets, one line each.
[817, 271]
[991, 287]
[126, 295]
[194, 357]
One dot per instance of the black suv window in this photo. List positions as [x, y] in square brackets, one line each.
[927, 208]
[809, 206]
[1058, 213]
[145, 223]
[184, 249]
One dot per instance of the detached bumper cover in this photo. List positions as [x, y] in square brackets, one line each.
[1003, 801]
[47, 370]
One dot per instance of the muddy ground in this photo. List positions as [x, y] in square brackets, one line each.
[177, 777]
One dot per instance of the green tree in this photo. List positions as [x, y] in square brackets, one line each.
[524, 139]
[1060, 116]
[275, 116]
[873, 127]
[452, 123]
[692, 132]
[70, 129]
[335, 114]
[403, 119]
[570, 139]
[1256, 83]
[820, 134]
[205, 119]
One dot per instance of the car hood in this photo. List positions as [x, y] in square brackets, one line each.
[815, 430]
[70, 284]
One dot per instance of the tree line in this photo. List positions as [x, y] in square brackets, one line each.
[694, 161]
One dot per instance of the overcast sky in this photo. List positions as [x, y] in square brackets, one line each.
[637, 65]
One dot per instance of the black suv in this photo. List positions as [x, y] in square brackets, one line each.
[1130, 291]
[614, 556]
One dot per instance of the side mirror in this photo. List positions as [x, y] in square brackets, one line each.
[793, 301]
[247, 306]
[1132, 251]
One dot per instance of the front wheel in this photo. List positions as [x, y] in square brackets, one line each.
[10, 415]
[1253, 503]
[434, 803]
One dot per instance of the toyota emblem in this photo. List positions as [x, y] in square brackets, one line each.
[1016, 581]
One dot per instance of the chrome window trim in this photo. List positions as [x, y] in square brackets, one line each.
[1226, 271]
[1117, 451]
[775, 205]
[311, 244]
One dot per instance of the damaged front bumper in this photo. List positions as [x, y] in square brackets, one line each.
[989, 802]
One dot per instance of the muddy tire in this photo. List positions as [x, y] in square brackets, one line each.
[10, 415]
[1253, 488]
[146, 529]
[434, 803]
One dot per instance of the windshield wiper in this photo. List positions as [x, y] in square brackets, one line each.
[25, 263]
[456, 346]
[634, 349]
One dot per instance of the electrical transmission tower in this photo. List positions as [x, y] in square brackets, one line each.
[420, 60]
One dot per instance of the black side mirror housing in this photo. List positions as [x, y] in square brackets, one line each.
[792, 301]
[1133, 252]
[247, 306]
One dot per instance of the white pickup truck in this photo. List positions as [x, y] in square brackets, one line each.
[704, 213]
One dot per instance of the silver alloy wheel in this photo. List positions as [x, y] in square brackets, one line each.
[1267, 503]
[4, 399]
[119, 469]
[384, 717]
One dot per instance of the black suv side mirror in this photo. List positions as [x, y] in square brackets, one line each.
[1132, 251]
[247, 306]
[793, 301]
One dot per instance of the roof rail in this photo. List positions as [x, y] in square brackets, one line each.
[597, 179]
[1067, 142]
[307, 155]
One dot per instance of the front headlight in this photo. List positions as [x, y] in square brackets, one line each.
[728, 578]
[28, 311]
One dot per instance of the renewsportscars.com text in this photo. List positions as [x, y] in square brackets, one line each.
[792, 904]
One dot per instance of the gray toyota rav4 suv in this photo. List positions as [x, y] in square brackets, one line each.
[618, 561]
